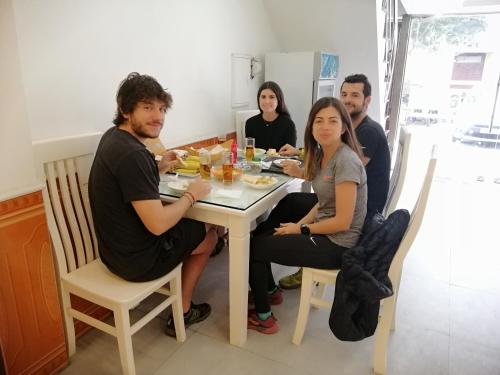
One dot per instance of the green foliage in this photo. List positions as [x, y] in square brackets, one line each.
[431, 33]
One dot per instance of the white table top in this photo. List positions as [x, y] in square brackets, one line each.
[237, 196]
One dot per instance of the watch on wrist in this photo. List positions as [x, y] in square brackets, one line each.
[304, 229]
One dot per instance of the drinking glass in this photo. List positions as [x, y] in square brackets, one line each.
[205, 164]
[227, 168]
[249, 148]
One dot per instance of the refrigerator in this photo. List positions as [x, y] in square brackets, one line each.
[304, 77]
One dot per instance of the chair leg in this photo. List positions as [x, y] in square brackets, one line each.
[395, 287]
[382, 337]
[69, 322]
[124, 337]
[176, 290]
[319, 291]
[305, 302]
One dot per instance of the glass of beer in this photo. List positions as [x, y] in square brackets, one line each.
[205, 164]
[227, 168]
[249, 148]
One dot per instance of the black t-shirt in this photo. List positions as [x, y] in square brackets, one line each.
[123, 171]
[372, 137]
[275, 134]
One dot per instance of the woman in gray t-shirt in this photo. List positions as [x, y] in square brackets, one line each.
[333, 225]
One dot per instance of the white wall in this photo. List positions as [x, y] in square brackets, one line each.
[345, 27]
[16, 158]
[75, 53]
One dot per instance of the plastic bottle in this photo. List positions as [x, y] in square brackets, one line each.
[234, 152]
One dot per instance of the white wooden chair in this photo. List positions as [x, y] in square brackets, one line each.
[396, 183]
[64, 164]
[311, 276]
[241, 118]
[398, 175]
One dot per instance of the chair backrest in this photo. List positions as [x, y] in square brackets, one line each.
[241, 118]
[64, 164]
[416, 218]
[399, 171]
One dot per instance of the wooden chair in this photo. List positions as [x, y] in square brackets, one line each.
[311, 276]
[398, 175]
[64, 164]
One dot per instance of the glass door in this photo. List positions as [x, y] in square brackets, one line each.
[450, 97]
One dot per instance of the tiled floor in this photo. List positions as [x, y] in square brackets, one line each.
[447, 316]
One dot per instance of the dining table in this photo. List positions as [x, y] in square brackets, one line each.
[236, 207]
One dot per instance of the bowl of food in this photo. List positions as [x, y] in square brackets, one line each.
[259, 153]
[216, 173]
[272, 152]
[254, 167]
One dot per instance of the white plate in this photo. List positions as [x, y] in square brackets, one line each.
[279, 162]
[178, 186]
[259, 182]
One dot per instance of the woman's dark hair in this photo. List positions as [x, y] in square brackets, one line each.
[137, 88]
[312, 149]
[274, 87]
[359, 78]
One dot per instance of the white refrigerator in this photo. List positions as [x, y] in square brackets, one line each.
[304, 77]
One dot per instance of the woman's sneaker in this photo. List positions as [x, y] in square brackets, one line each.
[196, 314]
[292, 281]
[268, 326]
[275, 298]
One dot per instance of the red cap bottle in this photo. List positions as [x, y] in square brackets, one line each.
[234, 152]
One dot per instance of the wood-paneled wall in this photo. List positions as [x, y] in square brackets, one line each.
[31, 327]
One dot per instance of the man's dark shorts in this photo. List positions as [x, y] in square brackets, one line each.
[179, 242]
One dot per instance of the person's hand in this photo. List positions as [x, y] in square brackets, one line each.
[291, 168]
[169, 160]
[199, 188]
[165, 165]
[169, 155]
[287, 228]
[288, 150]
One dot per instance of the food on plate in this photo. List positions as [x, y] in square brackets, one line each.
[181, 161]
[272, 152]
[259, 181]
[187, 171]
[214, 150]
[190, 165]
[265, 180]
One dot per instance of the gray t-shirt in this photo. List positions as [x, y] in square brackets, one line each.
[345, 165]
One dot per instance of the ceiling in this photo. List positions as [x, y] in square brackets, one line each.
[435, 7]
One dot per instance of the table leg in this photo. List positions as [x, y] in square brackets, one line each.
[239, 250]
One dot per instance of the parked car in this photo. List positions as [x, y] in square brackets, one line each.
[479, 135]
